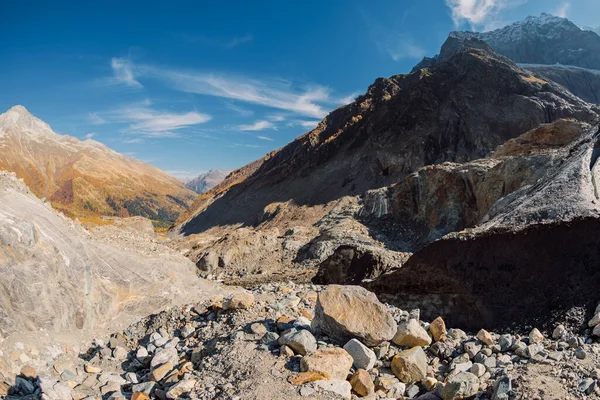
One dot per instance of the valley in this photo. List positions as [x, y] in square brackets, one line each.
[434, 238]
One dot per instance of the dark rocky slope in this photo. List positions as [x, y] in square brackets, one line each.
[459, 110]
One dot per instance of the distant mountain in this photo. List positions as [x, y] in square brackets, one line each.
[86, 179]
[543, 40]
[552, 47]
[206, 181]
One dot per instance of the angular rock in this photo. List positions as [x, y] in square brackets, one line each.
[438, 329]
[119, 353]
[187, 331]
[364, 358]
[502, 388]
[596, 331]
[90, 369]
[362, 383]
[163, 355]
[144, 387]
[334, 363]
[411, 334]
[559, 332]
[28, 372]
[460, 386]
[535, 336]
[347, 312]
[301, 341]
[179, 389]
[338, 386]
[410, 365]
[139, 396]
[240, 301]
[161, 371]
[485, 337]
[285, 351]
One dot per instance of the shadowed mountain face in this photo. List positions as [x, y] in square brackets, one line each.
[86, 179]
[206, 181]
[458, 110]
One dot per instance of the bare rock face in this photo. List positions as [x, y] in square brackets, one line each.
[348, 312]
[538, 239]
[410, 365]
[55, 277]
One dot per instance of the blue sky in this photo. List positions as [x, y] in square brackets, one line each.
[190, 86]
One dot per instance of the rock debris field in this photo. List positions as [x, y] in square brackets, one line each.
[289, 341]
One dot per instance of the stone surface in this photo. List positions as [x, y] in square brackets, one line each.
[535, 336]
[485, 337]
[161, 371]
[411, 334]
[362, 383]
[347, 312]
[180, 388]
[340, 387]
[364, 358]
[334, 363]
[462, 385]
[410, 365]
[240, 301]
[438, 329]
[305, 377]
[301, 341]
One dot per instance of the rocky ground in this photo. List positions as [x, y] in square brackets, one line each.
[288, 341]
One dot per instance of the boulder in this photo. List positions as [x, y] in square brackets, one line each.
[362, 383]
[363, 357]
[347, 312]
[334, 363]
[485, 337]
[410, 365]
[411, 334]
[460, 386]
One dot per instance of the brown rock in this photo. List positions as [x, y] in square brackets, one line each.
[306, 314]
[362, 383]
[161, 371]
[90, 369]
[352, 312]
[240, 301]
[485, 337]
[305, 377]
[139, 396]
[286, 351]
[438, 329]
[333, 363]
[410, 365]
[411, 334]
[28, 372]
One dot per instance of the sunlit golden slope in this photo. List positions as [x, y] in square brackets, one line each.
[86, 178]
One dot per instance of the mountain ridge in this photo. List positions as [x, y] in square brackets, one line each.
[86, 179]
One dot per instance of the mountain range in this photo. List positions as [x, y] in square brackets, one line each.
[86, 179]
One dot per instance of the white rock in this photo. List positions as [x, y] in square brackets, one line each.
[364, 358]
[337, 386]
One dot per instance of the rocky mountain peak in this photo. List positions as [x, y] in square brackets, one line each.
[17, 118]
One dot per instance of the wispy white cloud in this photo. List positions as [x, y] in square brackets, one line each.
[240, 110]
[479, 12]
[264, 138]
[123, 73]
[312, 100]
[226, 43]
[184, 175]
[90, 135]
[133, 141]
[257, 126]
[563, 9]
[145, 121]
[94, 118]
